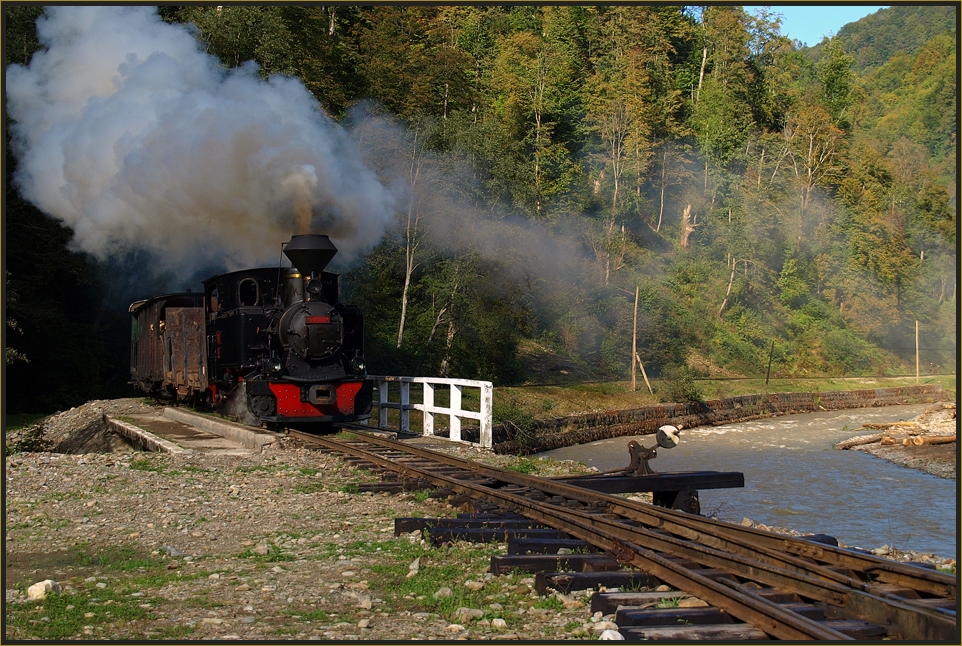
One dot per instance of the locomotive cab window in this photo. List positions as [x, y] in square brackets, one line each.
[248, 293]
[213, 300]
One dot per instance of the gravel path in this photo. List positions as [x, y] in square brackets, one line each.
[275, 545]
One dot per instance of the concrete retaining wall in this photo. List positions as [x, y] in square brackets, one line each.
[141, 439]
[247, 436]
[556, 433]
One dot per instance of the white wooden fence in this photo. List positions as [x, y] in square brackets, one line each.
[454, 410]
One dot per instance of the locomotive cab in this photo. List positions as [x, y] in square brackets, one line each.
[283, 335]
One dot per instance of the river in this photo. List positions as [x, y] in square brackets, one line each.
[795, 479]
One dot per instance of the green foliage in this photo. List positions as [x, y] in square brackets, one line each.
[524, 465]
[519, 422]
[670, 602]
[896, 30]
[678, 386]
[825, 177]
[146, 464]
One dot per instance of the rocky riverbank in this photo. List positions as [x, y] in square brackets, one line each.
[927, 443]
[271, 545]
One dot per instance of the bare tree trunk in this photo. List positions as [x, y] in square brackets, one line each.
[661, 208]
[634, 342]
[687, 226]
[446, 361]
[729, 290]
[859, 441]
[701, 75]
[411, 240]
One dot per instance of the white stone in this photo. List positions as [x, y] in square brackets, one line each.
[40, 589]
[612, 635]
[443, 593]
[474, 586]
[499, 623]
[692, 602]
[455, 628]
[602, 626]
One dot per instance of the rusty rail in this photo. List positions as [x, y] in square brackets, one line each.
[647, 537]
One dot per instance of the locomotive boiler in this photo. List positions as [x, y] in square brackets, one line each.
[276, 339]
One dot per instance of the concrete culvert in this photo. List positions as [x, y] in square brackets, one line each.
[79, 430]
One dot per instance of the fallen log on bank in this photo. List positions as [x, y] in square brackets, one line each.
[919, 440]
[858, 441]
[886, 425]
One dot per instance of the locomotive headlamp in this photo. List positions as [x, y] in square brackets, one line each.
[274, 364]
[314, 287]
[357, 364]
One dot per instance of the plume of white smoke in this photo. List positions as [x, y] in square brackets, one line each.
[128, 132]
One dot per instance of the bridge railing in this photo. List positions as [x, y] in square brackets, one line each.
[430, 408]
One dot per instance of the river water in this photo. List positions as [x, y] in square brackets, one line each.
[795, 479]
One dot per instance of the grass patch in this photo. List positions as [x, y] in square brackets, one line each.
[146, 464]
[524, 465]
[575, 399]
[550, 603]
[422, 495]
[670, 602]
[439, 567]
[124, 609]
[119, 559]
[60, 616]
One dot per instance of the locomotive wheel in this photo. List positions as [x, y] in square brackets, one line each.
[262, 405]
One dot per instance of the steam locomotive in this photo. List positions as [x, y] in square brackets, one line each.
[274, 341]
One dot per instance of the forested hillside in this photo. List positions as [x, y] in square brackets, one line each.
[551, 160]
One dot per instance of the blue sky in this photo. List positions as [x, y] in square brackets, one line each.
[809, 23]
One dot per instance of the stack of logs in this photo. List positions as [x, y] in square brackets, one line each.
[895, 433]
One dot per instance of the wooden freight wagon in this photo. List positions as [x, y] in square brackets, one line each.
[168, 345]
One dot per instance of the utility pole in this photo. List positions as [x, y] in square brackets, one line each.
[771, 353]
[635, 359]
[916, 352]
[634, 343]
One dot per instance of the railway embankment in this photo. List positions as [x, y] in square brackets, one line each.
[548, 434]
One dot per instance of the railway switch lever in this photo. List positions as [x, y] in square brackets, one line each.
[666, 437]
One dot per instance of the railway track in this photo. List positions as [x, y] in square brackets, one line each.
[767, 585]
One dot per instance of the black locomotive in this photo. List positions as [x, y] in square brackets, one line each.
[275, 339]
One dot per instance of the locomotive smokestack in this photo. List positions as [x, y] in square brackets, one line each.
[310, 253]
